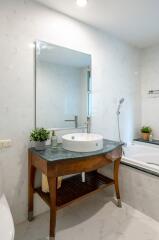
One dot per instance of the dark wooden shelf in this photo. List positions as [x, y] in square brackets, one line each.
[74, 189]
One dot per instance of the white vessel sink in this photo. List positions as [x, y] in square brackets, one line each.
[82, 142]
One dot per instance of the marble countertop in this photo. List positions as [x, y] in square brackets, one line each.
[54, 154]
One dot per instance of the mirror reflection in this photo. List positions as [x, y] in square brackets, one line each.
[63, 87]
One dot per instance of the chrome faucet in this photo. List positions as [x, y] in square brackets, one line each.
[75, 120]
[83, 174]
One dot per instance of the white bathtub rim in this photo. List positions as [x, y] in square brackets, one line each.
[147, 144]
[141, 165]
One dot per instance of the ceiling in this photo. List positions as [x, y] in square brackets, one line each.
[134, 21]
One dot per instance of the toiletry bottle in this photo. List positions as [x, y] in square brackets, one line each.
[150, 137]
[53, 140]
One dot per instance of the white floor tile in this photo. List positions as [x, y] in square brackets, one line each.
[95, 218]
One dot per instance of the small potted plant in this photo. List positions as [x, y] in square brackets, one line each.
[39, 136]
[146, 131]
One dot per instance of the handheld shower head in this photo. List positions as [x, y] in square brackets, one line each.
[121, 100]
[118, 116]
[119, 105]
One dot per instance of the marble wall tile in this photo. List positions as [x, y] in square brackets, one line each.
[114, 74]
[140, 190]
[149, 81]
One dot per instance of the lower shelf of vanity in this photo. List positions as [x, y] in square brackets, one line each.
[74, 189]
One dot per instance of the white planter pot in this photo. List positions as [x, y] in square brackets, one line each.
[40, 146]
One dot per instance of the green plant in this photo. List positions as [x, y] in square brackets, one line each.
[146, 129]
[39, 135]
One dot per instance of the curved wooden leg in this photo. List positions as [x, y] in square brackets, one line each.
[116, 182]
[52, 181]
[31, 180]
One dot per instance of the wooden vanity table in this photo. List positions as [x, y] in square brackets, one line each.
[59, 162]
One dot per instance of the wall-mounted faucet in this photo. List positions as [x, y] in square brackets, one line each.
[75, 120]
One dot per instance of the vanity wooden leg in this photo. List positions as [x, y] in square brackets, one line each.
[31, 180]
[116, 182]
[52, 181]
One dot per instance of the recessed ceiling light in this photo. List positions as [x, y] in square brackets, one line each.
[81, 3]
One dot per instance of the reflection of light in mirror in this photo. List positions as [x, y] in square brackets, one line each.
[43, 46]
[38, 47]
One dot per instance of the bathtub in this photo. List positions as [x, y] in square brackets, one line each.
[143, 156]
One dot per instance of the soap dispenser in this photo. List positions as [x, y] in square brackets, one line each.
[53, 140]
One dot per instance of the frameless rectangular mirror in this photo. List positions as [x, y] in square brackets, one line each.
[63, 87]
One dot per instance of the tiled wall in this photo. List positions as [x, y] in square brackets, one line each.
[140, 190]
[114, 75]
[150, 81]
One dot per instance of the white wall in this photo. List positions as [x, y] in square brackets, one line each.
[150, 81]
[60, 95]
[114, 75]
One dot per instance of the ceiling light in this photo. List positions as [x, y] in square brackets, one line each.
[81, 3]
